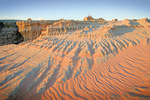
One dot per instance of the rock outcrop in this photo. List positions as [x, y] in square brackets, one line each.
[9, 33]
[115, 20]
[32, 29]
[101, 19]
[89, 18]
[144, 20]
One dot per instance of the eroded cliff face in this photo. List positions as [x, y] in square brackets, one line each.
[16, 32]
[63, 27]
[9, 33]
[32, 29]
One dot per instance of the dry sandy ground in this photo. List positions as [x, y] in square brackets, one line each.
[99, 61]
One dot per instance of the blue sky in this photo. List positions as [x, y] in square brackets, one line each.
[74, 9]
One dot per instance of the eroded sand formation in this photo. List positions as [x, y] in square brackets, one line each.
[32, 29]
[79, 60]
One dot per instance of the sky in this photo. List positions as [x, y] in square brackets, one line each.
[74, 9]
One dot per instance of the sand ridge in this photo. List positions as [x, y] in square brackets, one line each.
[126, 76]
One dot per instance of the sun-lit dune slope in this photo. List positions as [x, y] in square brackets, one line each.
[126, 76]
[79, 60]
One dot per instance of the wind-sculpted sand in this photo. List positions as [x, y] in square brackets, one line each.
[79, 60]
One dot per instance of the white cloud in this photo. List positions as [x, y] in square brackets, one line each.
[13, 17]
[19, 18]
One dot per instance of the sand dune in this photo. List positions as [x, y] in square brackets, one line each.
[79, 60]
[126, 76]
